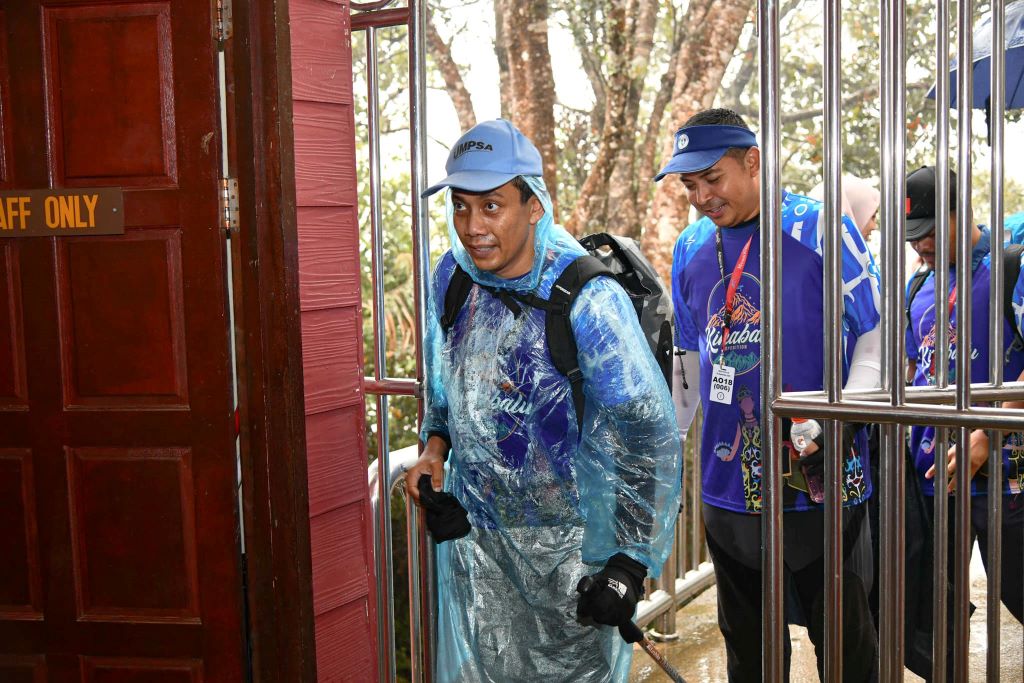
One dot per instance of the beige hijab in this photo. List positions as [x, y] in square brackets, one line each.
[860, 199]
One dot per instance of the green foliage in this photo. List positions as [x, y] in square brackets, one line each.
[802, 57]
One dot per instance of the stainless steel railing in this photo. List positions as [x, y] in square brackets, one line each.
[894, 407]
[371, 17]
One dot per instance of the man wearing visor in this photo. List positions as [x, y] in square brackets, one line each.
[921, 341]
[716, 297]
[553, 494]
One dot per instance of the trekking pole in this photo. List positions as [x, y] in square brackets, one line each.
[631, 633]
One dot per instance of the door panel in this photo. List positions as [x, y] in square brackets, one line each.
[117, 460]
[92, 53]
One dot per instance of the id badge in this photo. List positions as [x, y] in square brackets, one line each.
[722, 378]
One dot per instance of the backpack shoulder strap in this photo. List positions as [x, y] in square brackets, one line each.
[1011, 271]
[455, 297]
[561, 342]
[913, 287]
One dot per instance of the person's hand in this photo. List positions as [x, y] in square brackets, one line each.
[609, 597]
[977, 453]
[431, 463]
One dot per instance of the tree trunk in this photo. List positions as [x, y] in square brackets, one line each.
[453, 83]
[524, 37]
[713, 28]
[607, 200]
[501, 54]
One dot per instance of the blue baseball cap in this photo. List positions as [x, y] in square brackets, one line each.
[698, 148]
[489, 155]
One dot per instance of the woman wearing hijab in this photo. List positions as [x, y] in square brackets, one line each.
[860, 202]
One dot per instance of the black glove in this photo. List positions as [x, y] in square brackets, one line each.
[446, 518]
[609, 597]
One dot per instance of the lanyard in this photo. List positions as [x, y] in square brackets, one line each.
[952, 302]
[734, 282]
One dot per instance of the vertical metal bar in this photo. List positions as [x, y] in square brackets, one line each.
[997, 107]
[832, 289]
[964, 226]
[666, 627]
[420, 553]
[696, 527]
[771, 327]
[893, 162]
[382, 544]
[940, 501]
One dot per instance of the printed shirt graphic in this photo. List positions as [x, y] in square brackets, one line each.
[731, 442]
[921, 348]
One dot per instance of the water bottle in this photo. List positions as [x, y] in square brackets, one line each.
[803, 432]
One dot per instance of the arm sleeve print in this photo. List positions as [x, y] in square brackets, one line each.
[861, 298]
[628, 464]
[686, 333]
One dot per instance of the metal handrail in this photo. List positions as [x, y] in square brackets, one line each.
[370, 6]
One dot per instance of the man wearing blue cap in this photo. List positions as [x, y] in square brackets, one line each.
[556, 490]
[716, 297]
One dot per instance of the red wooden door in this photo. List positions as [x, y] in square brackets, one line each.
[119, 557]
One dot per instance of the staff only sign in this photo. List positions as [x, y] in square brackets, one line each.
[57, 213]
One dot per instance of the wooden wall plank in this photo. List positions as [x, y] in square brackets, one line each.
[336, 461]
[321, 53]
[328, 257]
[340, 655]
[325, 170]
[330, 350]
[339, 574]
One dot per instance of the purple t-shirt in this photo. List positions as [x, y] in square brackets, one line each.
[731, 458]
[921, 349]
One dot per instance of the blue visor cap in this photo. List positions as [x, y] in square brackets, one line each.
[698, 148]
[489, 155]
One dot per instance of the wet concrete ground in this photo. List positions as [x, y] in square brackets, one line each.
[699, 654]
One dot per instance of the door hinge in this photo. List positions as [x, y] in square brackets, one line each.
[229, 204]
[222, 29]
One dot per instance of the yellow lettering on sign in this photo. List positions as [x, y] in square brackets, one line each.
[90, 206]
[25, 213]
[16, 207]
[52, 212]
[67, 211]
[5, 224]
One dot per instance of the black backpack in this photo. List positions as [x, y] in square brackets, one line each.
[611, 255]
[1011, 271]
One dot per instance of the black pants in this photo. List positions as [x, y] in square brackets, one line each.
[739, 590]
[1011, 555]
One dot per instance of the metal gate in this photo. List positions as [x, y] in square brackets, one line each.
[947, 406]
[894, 407]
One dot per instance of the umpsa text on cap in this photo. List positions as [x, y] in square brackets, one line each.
[698, 148]
[487, 156]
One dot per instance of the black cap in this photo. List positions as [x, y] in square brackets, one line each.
[920, 204]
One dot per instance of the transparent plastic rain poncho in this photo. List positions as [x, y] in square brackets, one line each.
[547, 506]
